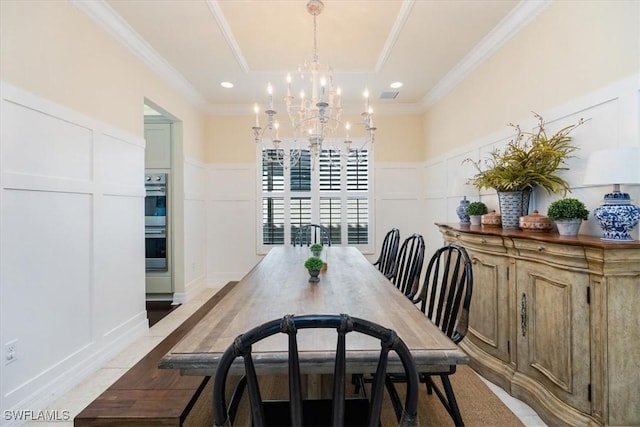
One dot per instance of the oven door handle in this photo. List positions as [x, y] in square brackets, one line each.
[154, 233]
[150, 192]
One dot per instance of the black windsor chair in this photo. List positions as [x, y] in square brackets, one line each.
[445, 298]
[312, 233]
[408, 265]
[388, 253]
[298, 412]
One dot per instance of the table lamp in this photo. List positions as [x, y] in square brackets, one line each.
[617, 216]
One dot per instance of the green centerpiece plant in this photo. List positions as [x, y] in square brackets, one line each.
[314, 265]
[316, 249]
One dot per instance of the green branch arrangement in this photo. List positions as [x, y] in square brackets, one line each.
[531, 159]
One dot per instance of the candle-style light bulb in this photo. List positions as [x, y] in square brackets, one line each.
[323, 84]
[277, 126]
[347, 127]
[288, 84]
[366, 100]
[270, 92]
[301, 100]
[256, 109]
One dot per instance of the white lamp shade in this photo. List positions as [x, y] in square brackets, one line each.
[613, 166]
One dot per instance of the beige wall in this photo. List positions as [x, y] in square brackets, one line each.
[229, 139]
[572, 48]
[54, 50]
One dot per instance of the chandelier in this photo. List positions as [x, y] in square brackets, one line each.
[315, 118]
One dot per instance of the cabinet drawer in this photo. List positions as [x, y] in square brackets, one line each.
[552, 253]
[480, 242]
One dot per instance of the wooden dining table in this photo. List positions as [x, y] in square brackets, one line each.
[279, 285]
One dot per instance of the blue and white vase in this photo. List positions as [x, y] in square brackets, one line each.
[461, 210]
[513, 205]
[617, 216]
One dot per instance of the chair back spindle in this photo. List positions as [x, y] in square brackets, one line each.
[312, 233]
[388, 253]
[409, 265]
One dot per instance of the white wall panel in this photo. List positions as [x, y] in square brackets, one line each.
[54, 148]
[71, 247]
[398, 180]
[47, 250]
[118, 165]
[231, 182]
[195, 248]
[230, 222]
[231, 237]
[194, 242]
[119, 290]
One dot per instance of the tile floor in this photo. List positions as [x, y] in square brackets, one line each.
[85, 392]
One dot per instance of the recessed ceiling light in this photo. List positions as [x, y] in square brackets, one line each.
[395, 85]
[226, 85]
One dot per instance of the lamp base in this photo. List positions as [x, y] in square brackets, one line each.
[617, 216]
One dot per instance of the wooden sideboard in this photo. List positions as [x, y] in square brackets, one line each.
[555, 321]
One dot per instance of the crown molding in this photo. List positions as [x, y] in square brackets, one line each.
[228, 35]
[110, 21]
[510, 25]
[402, 17]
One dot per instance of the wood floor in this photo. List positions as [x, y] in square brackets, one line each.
[157, 310]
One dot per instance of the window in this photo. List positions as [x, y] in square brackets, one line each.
[329, 191]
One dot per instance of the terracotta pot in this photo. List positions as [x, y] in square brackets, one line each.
[492, 219]
[536, 222]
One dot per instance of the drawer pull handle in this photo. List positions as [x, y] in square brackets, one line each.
[474, 260]
[483, 240]
[540, 248]
[457, 234]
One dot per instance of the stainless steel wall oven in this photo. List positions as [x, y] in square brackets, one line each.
[155, 222]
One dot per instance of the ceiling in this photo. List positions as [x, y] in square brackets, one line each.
[428, 45]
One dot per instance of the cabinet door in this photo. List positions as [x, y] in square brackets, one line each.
[489, 311]
[553, 330]
[157, 153]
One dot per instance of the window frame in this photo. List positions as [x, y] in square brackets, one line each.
[315, 195]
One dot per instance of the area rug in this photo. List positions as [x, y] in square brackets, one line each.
[479, 406]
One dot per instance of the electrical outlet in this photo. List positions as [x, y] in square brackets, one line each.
[10, 352]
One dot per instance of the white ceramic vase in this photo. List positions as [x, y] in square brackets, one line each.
[475, 219]
[568, 227]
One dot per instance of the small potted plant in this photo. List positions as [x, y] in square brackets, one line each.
[314, 265]
[475, 210]
[568, 214]
[316, 249]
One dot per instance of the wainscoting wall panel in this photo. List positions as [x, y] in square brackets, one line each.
[195, 244]
[231, 211]
[613, 120]
[71, 263]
